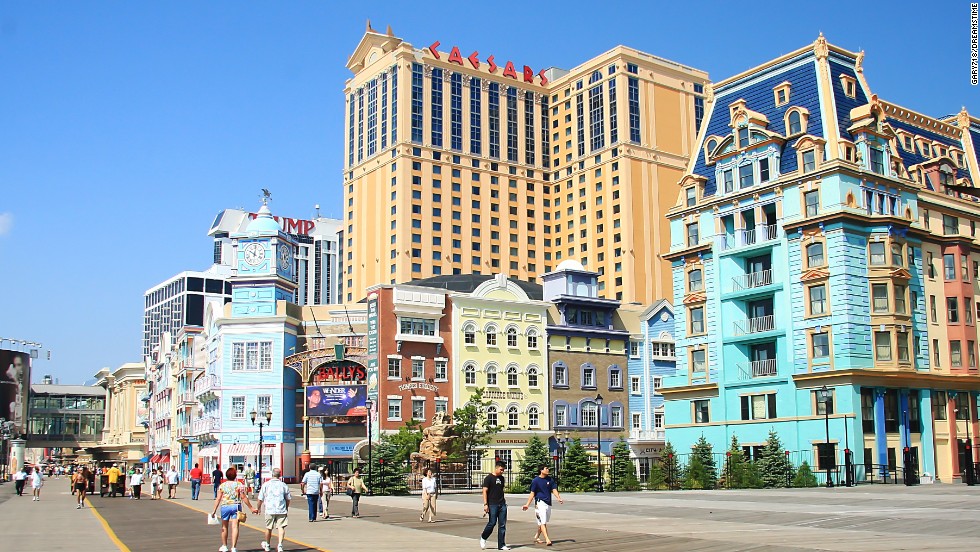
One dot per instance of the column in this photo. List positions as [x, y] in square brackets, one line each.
[927, 453]
[903, 420]
[881, 441]
[954, 444]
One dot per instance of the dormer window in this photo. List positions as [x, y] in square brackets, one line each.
[743, 137]
[926, 148]
[907, 142]
[781, 93]
[796, 120]
[849, 153]
[877, 160]
[690, 196]
[809, 161]
[849, 84]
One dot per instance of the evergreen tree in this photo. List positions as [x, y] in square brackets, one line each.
[577, 472]
[735, 471]
[472, 428]
[387, 475]
[753, 479]
[670, 465]
[407, 440]
[701, 471]
[774, 466]
[622, 474]
[536, 454]
[657, 480]
[804, 476]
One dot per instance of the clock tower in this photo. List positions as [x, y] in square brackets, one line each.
[264, 267]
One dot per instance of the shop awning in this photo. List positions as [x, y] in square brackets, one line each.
[164, 459]
[145, 459]
[243, 449]
[209, 452]
[155, 459]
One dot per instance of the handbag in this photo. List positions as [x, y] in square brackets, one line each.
[350, 492]
[242, 516]
[212, 520]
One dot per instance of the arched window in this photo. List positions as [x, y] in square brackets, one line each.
[795, 123]
[532, 339]
[532, 416]
[512, 376]
[512, 337]
[814, 255]
[590, 414]
[492, 374]
[491, 415]
[595, 77]
[469, 334]
[513, 417]
[532, 377]
[491, 335]
[470, 373]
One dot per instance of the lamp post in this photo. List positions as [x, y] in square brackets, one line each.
[261, 424]
[598, 434]
[823, 396]
[370, 406]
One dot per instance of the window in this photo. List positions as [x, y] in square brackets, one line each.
[883, 346]
[511, 337]
[532, 377]
[809, 161]
[394, 368]
[491, 375]
[826, 456]
[561, 375]
[512, 377]
[418, 408]
[962, 406]
[697, 320]
[615, 378]
[900, 298]
[238, 408]
[812, 201]
[746, 176]
[441, 370]
[952, 310]
[932, 309]
[814, 255]
[955, 354]
[903, 346]
[469, 335]
[691, 196]
[971, 350]
[636, 421]
[759, 407]
[939, 402]
[590, 415]
[698, 361]
[932, 266]
[692, 234]
[532, 417]
[491, 335]
[951, 225]
[818, 299]
[694, 280]
[701, 414]
[615, 416]
[877, 253]
[588, 376]
[949, 266]
[820, 345]
[795, 123]
[513, 417]
[897, 258]
[252, 356]
[418, 368]
[634, 349]
[635, 385]
[877, 160]
[442, 405]
[532, 339]
[935, 352]
[417, 326]
[469, 372]
[879, 297]
[394, 408]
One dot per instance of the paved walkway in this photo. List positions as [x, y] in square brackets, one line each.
[869, 518]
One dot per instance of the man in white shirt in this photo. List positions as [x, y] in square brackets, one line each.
[173, 478]
[37, 481]
[275, 495]
[311, 488]
[19, 479]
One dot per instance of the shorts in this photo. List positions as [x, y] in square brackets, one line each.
[80, 486]
[173, 485]
[276, 521]
[542, 511]
[229, 511]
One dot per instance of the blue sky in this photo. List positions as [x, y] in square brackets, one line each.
[126, 126]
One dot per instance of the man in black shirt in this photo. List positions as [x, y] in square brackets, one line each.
[216, 476]
[495, 505]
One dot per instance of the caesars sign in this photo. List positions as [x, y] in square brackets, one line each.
[15, 374]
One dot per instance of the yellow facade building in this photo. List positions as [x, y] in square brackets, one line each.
[457, 163]
[124, 433]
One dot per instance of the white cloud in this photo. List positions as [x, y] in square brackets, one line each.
[6, 223]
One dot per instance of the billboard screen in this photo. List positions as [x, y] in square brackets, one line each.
[15, 376]
[336, 400]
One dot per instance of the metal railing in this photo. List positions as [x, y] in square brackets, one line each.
[202, 426]
[756, 369]
[752, 280]
[755, 325]
[205, 384]
[748, 236]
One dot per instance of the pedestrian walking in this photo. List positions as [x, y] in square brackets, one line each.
[326, 489]
[173, 479]
[136, 484]
[356, 486]
[19, 479]
[79, 481]
[429, 489]
[276, 498]
[495, 506]
[156, 485]
[114, 474]
[542, 488]
[37, 481]
[216, 479]
[249, 478]
[231, 495]
[196, 475]
[311, 488]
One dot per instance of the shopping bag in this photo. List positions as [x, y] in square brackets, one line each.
[212, 520]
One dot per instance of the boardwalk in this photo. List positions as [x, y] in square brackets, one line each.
[937, 517]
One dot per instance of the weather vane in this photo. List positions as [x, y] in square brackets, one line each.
[266, 196]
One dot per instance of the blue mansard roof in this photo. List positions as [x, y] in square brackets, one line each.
[757, 91]
[840, 65]
[913, 156]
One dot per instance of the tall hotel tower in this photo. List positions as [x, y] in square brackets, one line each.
[460, 163]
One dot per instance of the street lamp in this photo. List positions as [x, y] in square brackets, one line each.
[598, 434]
[823, 396]
[370, 405]
[268, 420]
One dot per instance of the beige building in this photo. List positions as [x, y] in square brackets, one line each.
[462, 164]
[124, 433]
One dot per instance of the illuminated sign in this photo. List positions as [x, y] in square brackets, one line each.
[336, 400]
[338, 370]
[527, 74]
[296, 227]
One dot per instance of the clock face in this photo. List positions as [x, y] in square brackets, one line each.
[254, 254]
[285, 257]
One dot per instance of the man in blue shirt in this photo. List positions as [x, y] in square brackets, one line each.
[542, 488]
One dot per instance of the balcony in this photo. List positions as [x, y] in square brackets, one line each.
[647, 434]
[758, 324]
[748, 236]
[207, 384]
[205, 425]
[187, 398]
[756, 369]
[752, 280]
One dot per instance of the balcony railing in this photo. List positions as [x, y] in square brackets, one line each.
[647, 434]
[207, 424]
[755, 325]
[206, 384]
[748, 236]
[752, 280]
[187, 397]
[756, 369]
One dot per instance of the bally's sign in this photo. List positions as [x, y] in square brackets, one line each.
[527, 74]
